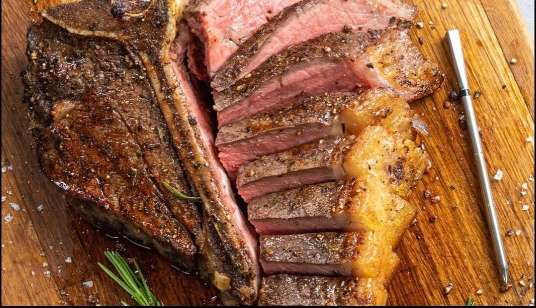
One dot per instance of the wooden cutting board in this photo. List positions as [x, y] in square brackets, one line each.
[455, 248]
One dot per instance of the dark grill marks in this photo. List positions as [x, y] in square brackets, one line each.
[71, 86]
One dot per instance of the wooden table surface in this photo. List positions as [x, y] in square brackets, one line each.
[455, 248]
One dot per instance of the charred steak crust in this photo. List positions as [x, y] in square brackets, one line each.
[234, 67]
[312, 248]
[293, 290]
[93, 126]
[314, 200]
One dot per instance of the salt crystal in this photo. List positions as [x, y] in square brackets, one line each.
[4, 199]
[10, 167]
[523, 192]
[529, 140]
[68, 260]
[518, 232]
[47, 273]
[8, 218]
[33, 273]
[4, 169]
[50, 247]
[87, 284]
[531, 178]
[40, 208]
[525, 186]
[14, 206]
[498, 176]
[525, 207]
[9, 192]
[507, 202]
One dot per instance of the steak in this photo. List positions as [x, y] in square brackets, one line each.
[148, 33]
[306, 20]
[223, 26]
[352, 206]
[101, 141]
[398, 162]
[310, 163]
[335, 62]
[268, 133]
[315, 118]
[290, 290]
[330, 254]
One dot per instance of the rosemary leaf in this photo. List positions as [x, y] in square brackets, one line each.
[178, 193]
[470, 302]
[139, 290]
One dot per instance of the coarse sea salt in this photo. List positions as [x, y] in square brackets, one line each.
[40, 208]
[498, 176]
[14, 206]
[525, 207]
[525, 186]
[68, 260]
[87, 284]
[8, 218]
[518, 232]
[4, 198]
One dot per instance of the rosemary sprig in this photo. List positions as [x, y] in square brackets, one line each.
[177, 193]
[470, 302]
[137, 288]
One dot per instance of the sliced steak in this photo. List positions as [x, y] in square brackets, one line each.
[315, 118]
[335, 62]
[330, 253]
[223, 26]
[310, 163]
[351, 206]
[290, 290]
[103, 143]
[306, 20]
[235, 261]
[229, 246]
[269, 133]
[396, 161]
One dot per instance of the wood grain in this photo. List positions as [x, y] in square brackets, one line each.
[455, 248]
[517, 42]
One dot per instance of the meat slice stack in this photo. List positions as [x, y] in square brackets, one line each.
[315, 128]
[349, 225]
